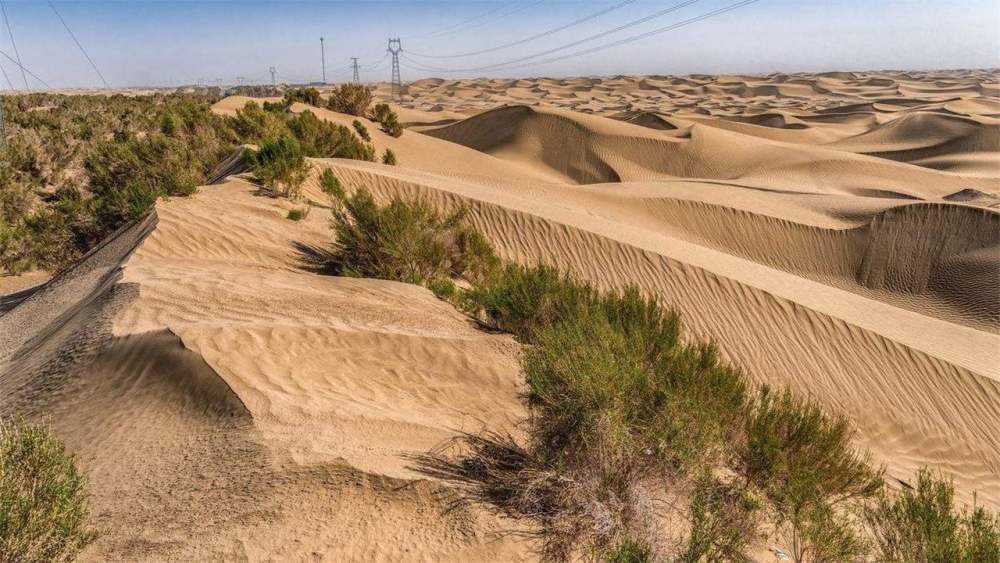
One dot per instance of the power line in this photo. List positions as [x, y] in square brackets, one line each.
[623, 41]
[25, 70]
[6, 20]
[75, 40]
[448, 29]
[624, 26]
[7, 78]
[533, 37]
[516, 10]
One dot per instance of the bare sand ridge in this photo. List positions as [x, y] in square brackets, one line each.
[837, 233]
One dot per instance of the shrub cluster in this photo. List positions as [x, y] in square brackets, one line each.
[628, 416]
[279, 165]
[43, 508]
[305, 95]
[352, 99]
[388, 120]
[405, 241]
[76, 168]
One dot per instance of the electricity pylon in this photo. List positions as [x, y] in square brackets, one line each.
[354, 64]
[395, 48]
[322, 55]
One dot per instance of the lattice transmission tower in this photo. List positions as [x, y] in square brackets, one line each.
[354, 65]
[395, 48]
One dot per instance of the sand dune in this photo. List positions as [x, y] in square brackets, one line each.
[837, 233]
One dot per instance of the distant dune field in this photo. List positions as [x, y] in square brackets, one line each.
[838, 233]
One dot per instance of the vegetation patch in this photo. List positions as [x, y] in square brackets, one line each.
[404, 240]
[352, 99]
[280, 165]
[43, 504]
[387, 119]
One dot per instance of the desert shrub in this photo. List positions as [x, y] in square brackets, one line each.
[163, 165]
[305, 95]
[387, 118]
[403, 240]
[352, 99]
[362, 131]
[521, 299]
[389, 157]
[279, 165]
[43, 508]
[295, 215]
[123, 148]
[168, 125]
[923, 524]
[630, 551]
[330, 185]
[323, 139]
[443, 288]
[803, 461]
[724, 521]
[254, 124]
[17, 249]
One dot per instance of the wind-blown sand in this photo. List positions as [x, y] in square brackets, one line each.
[838, 233]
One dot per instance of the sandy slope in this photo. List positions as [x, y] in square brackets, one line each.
[837, 233]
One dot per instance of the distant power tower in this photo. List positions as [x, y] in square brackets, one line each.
[273, 72]
[395, 48]
[354, 65]
[322, 56]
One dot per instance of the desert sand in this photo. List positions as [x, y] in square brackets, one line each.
[838, 233]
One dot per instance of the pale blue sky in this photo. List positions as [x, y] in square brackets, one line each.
[173, 42]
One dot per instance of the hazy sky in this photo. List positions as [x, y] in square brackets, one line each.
[172, 42]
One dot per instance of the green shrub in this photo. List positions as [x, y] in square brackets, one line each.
[389, 157]
[352, 99]
[305, 95]
[131, 150]
[922, 524]
[254, 124]
[279, 165]
[43, 508]
[804, 462]
[404, 240]
[521, 299]
[330, 185]
[387, 118]
[162, 165]
[362, 131]
[630, 551]
[443, 288]
[323, 139]
[295, 214]
[724, 522]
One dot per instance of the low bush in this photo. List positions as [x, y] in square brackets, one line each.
[279, 165]
[295, 215]
[387, 118]
[804, 462]
[521, 299]
[389, 157]
[403, 240]
[352, 99]
[330, 185]
[43, 501]
[443, 288]
[361, 130]
[305, 95]
[921, 523]
[323, 139]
